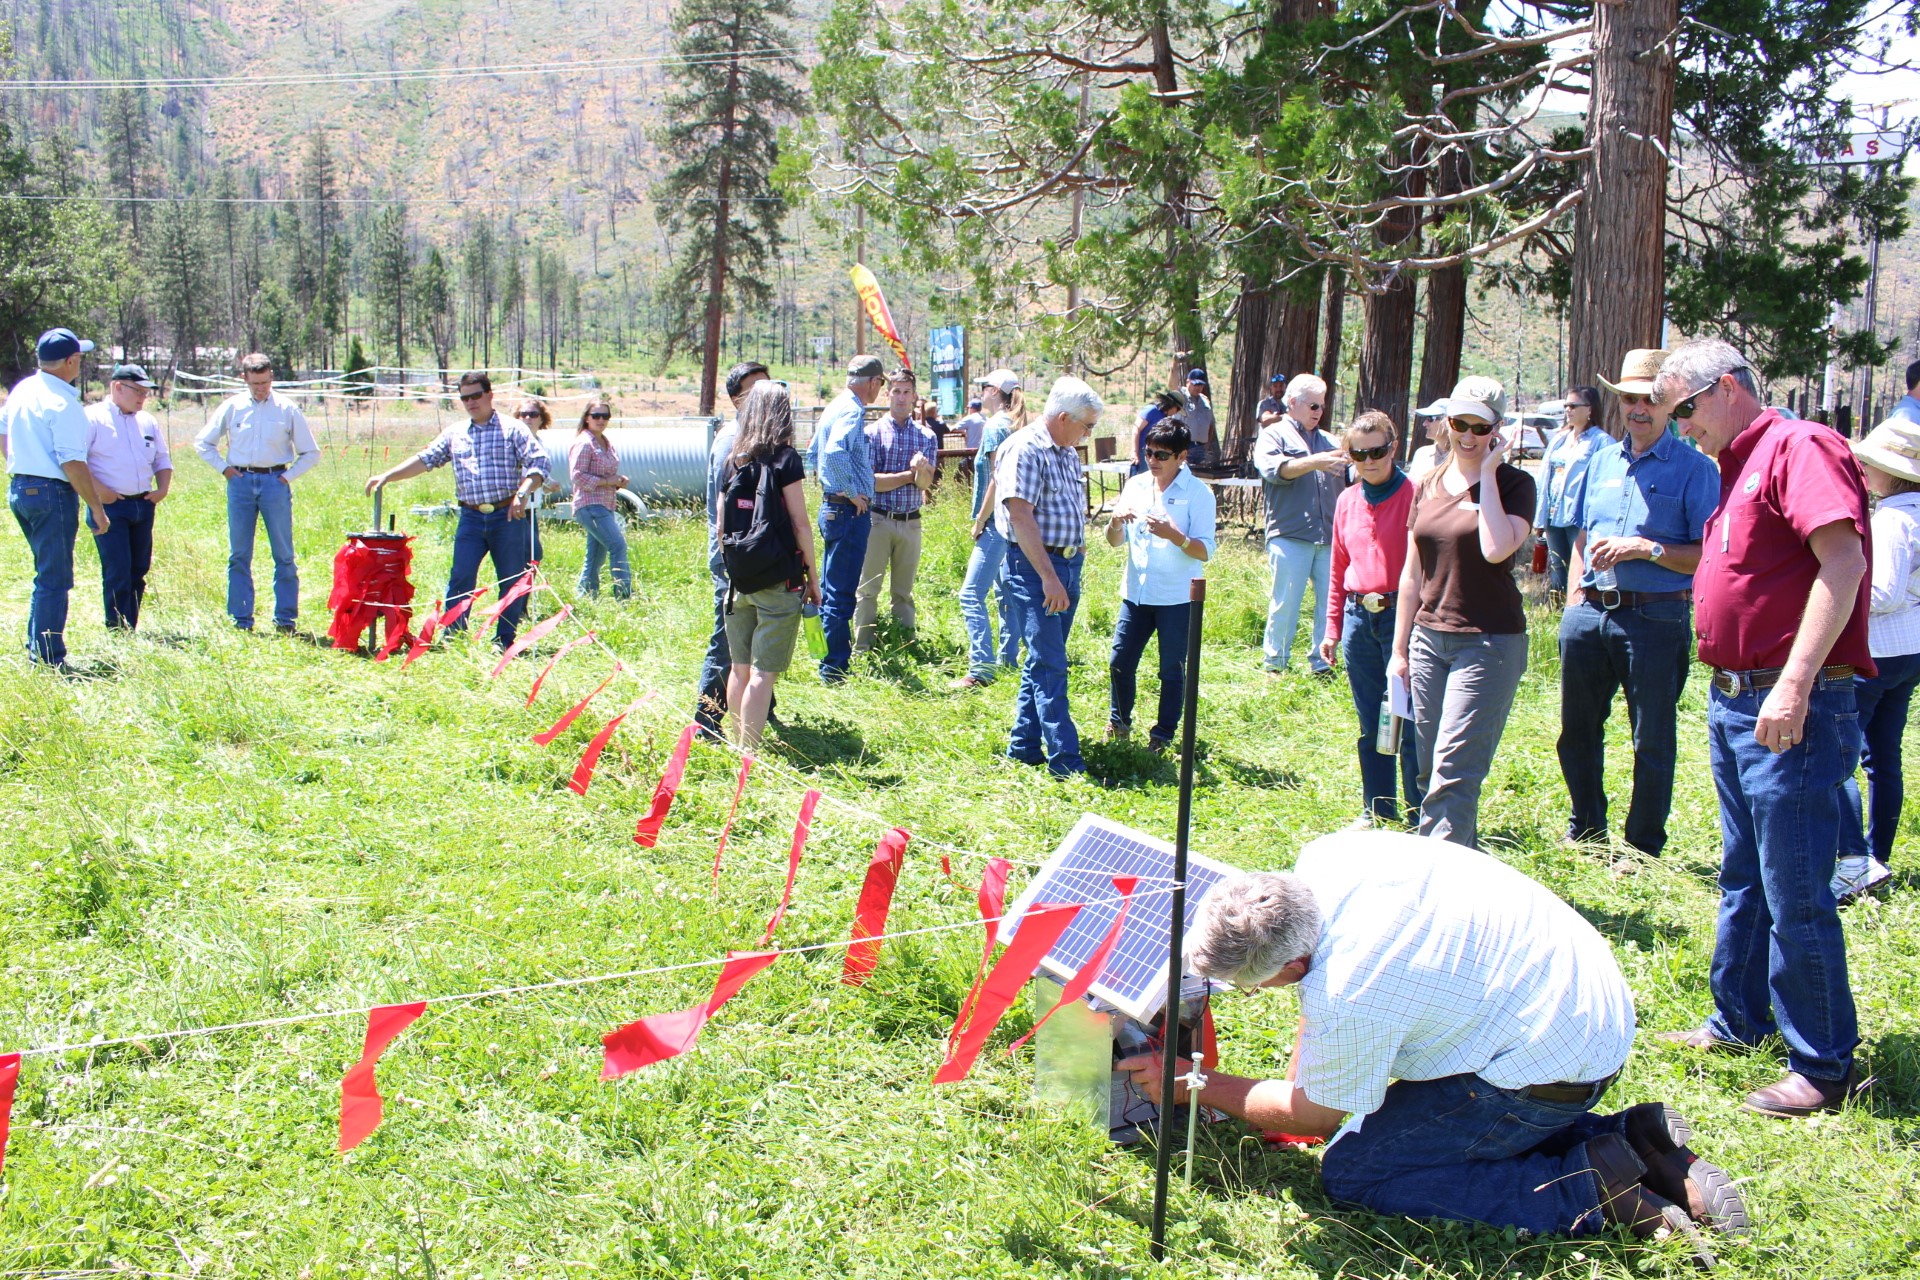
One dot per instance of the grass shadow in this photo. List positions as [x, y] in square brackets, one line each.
[1635, 926]
[1246, 774]
[817, 741]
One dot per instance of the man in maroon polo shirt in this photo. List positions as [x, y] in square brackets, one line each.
[1780, 605]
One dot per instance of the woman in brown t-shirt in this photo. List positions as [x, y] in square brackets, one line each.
[1464, 648]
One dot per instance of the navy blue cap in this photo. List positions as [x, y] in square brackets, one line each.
[56, 345]
[1196, 375]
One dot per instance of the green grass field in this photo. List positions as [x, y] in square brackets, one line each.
[231, 827]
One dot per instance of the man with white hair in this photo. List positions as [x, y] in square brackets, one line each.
[1041, 510]
[1780, 605]
[1468, 1021]
[1304, 472]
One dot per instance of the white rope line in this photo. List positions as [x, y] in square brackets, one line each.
[183, 1033]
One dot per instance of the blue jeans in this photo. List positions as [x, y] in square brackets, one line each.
[1294, 563]
[986, 572]
[1779, 958]
[1559, 539]
[509, 543]
[1646, 651]
[605, 542]
[712, 708]
[1366, 646]
[49, 516]
[1883, 701]
[1138, 624]
[126, 553]
[844, 535]
[1461, 1148]
[253, 500]
[1043, 717]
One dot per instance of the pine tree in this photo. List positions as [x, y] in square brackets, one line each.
[434, 315]
[732, 87]
[390, 279]
[184, 275]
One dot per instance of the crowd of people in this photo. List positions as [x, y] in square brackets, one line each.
[1783, 556]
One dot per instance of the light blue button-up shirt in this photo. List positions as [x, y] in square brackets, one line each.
[44, 426]
[1158, 572]
[1563, 469]
[838, 450]
[1908, 409]
[1667, 494]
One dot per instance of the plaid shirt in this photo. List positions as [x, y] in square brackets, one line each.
[892, 446]
[489, 459]
[1030, 466]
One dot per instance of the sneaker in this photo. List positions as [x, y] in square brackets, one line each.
[1855, 877]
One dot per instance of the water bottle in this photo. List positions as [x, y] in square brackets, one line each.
[816, 634]
[1386, 739]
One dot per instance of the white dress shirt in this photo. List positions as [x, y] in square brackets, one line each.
[44, 426]
[260, 433]
[1893, 620]
[1436, 960]
[124, 450]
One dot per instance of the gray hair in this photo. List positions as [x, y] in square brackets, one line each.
[1699, 364]
[1303, 384]
[1251, 928]
[1074, 398]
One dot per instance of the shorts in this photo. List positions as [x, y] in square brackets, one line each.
[762, 627]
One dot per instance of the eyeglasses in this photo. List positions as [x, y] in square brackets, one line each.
[1369, 455]
[1473, 425]
[1161, 455]
[468, 397]
[600, 415]
[1684, 409]
[1631, 399]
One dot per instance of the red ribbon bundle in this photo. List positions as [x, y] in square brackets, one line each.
[647, 833]
[361, 1106]
[876, 899]
[668, 1035]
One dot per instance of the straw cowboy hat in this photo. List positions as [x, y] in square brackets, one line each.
[1638, 369]
[1894, 447]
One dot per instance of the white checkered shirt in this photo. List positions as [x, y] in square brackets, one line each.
[1030, 466]
[1435, 961]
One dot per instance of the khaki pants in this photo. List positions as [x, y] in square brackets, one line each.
[893, 550]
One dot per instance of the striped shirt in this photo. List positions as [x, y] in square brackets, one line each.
[891, 446]
[1893, 623]
[1435, 960]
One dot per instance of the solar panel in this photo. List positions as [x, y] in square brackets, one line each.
[1082, 869]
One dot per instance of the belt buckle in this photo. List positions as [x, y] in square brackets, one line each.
[1374, 602]
[1737, 680]
[486, 508]
[1618, 599]
[1068, 553]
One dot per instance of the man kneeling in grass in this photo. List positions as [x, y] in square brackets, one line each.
[1464, 1022]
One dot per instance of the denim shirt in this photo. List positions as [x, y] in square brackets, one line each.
[1667, 494]
[1563, 470]
[838, 450]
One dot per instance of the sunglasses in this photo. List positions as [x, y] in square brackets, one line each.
[532, 415]
[1161, 455]
[1684, 409]
[600, 415]
[1473, 425]
[1369, 455]
[1577, 404]
[468, 397]
[1630, 399]
[1314, 407]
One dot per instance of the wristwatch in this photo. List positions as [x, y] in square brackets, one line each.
[1658, 551]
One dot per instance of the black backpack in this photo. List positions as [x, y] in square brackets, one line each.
[756, 533]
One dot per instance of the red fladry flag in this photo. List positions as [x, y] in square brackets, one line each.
[391, 645]
[9, 1078]
[520, 588]
[360, 1104]
[739, 789]
[572, 713]
[668, 1035]
[1039, 930]
[424, 641]
[533, 635]
[647, 833]
[458, 609]
[590, 758]
[554, 661]
[876, 899]
[801, 828]
[993, 899]
[1084, 977]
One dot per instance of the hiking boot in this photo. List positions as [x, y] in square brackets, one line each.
[1626, 1201]
[1659, 1136]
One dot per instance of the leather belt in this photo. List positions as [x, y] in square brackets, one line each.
[1611, 600]
[263, 471]
[897, 515]
[839, 501]
[1569, 1091]
[130, 497]
[1733, 683]
[488, 508]
[1377, 601]
[1065, 553]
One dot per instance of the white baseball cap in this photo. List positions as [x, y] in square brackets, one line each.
[1005, 379]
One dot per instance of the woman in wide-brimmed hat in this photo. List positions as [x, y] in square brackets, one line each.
[1890, 457]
